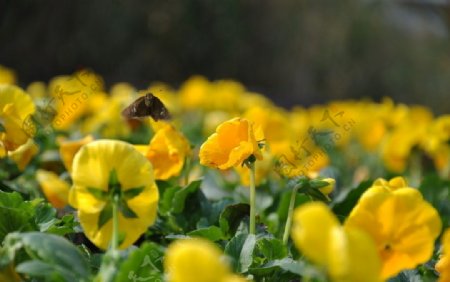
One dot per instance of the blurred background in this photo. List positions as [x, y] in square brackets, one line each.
[294, 51]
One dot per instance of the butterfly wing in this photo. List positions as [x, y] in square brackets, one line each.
[158, 110]
[145, 106]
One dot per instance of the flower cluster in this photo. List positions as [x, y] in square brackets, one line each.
[231, 188]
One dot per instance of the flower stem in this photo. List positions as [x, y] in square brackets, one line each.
[251, 166]
[187, 168]
[115, 222]
[287, 228]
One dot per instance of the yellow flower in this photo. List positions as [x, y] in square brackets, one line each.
[7, 76]
[274, 123]
[68, 149]
[347, 254]
[37, 90]
[16, 126]
[443, 265]
[233, 142]
[194, 93]
[108, 168]
[167, 152]
[108, 120]
[197, 260]
[402, 224]
[54, 188]
[23, 155]
[71, 96]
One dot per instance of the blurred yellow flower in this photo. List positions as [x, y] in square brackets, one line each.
[443, 265]
[274, 123]
[16, 125]
[194, 93]
[402, 224]
[23, 155]
[399, 144]
[68, 149]
[108, 120]
[70, 95]
[106, 169]
[167, 152]
[37, 90]
[233, 142]
[7, 76]
[197, 260]
[347, 254]
[54, 188]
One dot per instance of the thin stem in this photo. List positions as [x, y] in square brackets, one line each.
[287, 228]
[115, 222]
[252, 197]
[187, 168]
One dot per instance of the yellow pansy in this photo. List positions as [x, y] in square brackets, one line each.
[194, 93]
[37, 90]
[70, 96]
[16, 125]
[54, 188]
[7, 76]
[108, 120]
[68, 149]
[108, 168]
[233, 142]
[23, 155]
[443, 265]
[274, 123]
[399, 144]
[402, 224]
[347, 254]
[167, 152]
[197, 260]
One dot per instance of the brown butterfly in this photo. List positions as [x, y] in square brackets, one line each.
[145, 106]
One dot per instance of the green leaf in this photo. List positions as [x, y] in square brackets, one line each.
[246, 256]
[240, 249]
[287, 265]
[99, 194]
[165, 204]
[344, 203]
[232, 216]
[143, 264]
[271, 248]
[132, 192]
[180, 196]
[45, 216]
[15, 214]
[212, 233]
[105, 215]
[126, 210]
[37, 268]
[47, 250]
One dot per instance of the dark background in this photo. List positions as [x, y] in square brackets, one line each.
[294, 51]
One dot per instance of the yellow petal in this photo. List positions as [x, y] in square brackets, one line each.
[55, 189]
[68, 149]
[311, 228]
[23, 155]
[195, 260]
